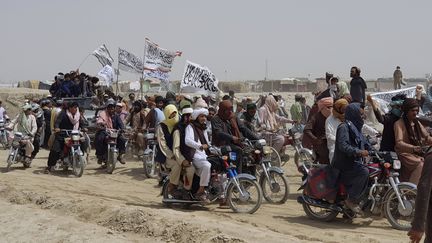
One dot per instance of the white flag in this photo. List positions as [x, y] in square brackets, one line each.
[103, 56]
[199, 78]
[158, 62]
[107, 73]
[129, 62]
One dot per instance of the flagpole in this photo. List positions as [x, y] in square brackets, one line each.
[117, 72]
[84, 60]
[142, 76]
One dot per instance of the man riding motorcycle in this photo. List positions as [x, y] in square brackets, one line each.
[350, 148]
[108, 119]
[228, 130]
[271, 121]
[40, 122]
[170, 152]
[26, 124]
[197, 140]
[68, 119]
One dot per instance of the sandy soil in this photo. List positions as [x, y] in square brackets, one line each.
[126, 207]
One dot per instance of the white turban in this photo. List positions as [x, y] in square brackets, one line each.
[197, 112]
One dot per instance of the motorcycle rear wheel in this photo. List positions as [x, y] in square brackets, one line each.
[236, 201]
[78, 165]
[111, 162]
[392, 207]
[325, 216]
[280, 192]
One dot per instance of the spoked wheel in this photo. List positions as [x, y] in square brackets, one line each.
[303, 158]
[275, 158]
[276, 190]
[149, 164]
[9, 162]
[247, 198]
[400, 218]
[78, 165]
[318, 213]
[111, 162]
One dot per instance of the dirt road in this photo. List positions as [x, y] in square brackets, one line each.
[125, 207]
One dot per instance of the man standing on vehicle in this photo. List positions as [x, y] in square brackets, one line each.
[397, 78]
[358, 86]
[108, 119]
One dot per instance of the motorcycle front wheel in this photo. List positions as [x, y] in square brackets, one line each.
[9, 162]
[319, 214]
[246, 197]
[276, 190]
[78, 165]
[149, 166]
[111, 161]
[397, 216]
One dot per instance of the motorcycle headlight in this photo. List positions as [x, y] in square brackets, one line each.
[396, 164]
[267, 150]
[75, 137]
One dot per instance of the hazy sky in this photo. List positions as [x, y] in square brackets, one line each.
[233, 38]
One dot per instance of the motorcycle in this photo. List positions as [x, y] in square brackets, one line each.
[241, 191]
[303, 158]
[112, 153]
[4, 135]
[274, 184]
[386, 195]
[72, 155]
[149, 163]
[17, 151]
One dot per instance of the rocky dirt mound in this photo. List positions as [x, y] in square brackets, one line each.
[121, 219]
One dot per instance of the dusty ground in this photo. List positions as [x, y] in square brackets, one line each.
[126, 207]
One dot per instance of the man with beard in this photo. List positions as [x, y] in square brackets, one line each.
[67, 119]
[47, 117]
[357, 86]
[197, 140]
[25, 123]
[136, 120]
[40, 123]
[315, 129]
[228, 130]
[249, 117]
[388, 120]
[108, 119]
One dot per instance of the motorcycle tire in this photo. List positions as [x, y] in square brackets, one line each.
[329, 216]
[276, 158]
[280, 186]
[26, 164]
[9, 162]
[389, 211]
[78, 165]
[246, 184]
[111, 162]
[304, 158]
[149, 166]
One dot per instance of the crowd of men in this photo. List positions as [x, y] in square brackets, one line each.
[186, 126]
